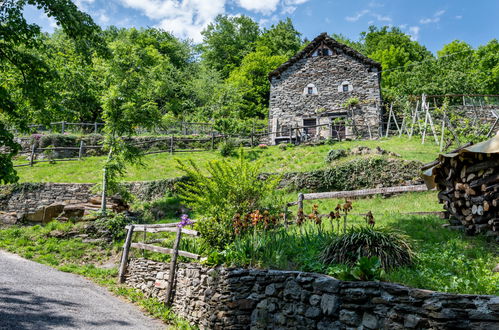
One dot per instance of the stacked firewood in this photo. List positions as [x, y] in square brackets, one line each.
[469, 189]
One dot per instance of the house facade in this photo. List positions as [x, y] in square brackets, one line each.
[309, 93]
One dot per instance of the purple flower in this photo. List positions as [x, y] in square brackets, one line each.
[184, 221]
[36, 136]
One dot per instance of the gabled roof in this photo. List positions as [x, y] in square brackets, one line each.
[330, 42]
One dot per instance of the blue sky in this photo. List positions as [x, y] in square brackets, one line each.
[431, 22]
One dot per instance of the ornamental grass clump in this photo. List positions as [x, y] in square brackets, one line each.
[391, 247]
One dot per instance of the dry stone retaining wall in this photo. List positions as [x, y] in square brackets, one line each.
[226, 298]
[20, 199]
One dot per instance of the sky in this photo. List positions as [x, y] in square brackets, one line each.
[433, 23]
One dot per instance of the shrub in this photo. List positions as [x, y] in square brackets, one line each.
[227, 148]
[113, 225]
[366, 269]
[334, 154]
[391, 247]
[227, 189]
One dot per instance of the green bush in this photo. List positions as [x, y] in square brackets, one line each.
[334, 154]
[113, 225]
[227, 148]
[391, 247]
[227, 188]
[365, 269]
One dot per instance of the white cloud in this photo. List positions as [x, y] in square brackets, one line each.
[382, 18]
[295, 2]
[288, 10]
[434, 19]
[439, 13]
[458, 17]
[185, 18]
[102, 17]
[414, 32]
[357, 16]
[259, 6]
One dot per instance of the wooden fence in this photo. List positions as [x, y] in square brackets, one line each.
[355, 193]
[174, 252]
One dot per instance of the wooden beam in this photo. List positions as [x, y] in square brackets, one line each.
[159, 228]
[364, 192]
[164, 250]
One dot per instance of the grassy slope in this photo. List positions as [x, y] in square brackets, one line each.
[160, 166]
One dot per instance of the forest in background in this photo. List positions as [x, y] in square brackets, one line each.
[223, 79]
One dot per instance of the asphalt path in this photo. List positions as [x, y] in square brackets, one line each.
[35, 296]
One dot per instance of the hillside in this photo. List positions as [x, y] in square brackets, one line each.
[273, 159]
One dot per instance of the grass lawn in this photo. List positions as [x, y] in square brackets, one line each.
[273, 159]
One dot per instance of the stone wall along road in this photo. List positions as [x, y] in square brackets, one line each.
[270, 299]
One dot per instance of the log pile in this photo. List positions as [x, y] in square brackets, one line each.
[469, 189]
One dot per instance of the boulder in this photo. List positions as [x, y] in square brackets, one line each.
[73, 211]
[45, 214]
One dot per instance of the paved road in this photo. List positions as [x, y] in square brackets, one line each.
[35, 296]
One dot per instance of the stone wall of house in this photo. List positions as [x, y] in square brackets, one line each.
[270, 299]
[290, 104]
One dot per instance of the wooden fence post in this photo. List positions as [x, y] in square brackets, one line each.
[252, 135]
[212, 140]
[285, 215]
[171, 144]
[104, 191]
[173, 265]
[80, 152]
[95, 128]
[124, 256]
[32, 156]
[300, 201]
[63, 127]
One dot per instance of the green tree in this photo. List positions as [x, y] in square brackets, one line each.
[18, 40]
[487, 63]
[281, 39]
[251, 81]
[227, 40]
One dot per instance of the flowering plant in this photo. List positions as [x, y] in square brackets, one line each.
[184, 221]
[36, 136]
[262, 146]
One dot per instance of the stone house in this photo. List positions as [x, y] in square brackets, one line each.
[312, 88]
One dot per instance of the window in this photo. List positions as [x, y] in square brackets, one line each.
[310, 89]
[345, 87]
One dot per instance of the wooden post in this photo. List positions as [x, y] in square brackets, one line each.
[285, 215]
[63, 127]
[80, 152]
[389, 119]
[212, 140]
[32, 156]
[442, 134]
[300, 201]
[96, 129]
[173, 266]
[414, 117]
[171, 144]
[103, 204]
[124, 256]
[252, 135]
[369, 131]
